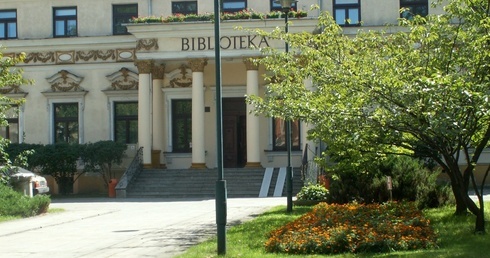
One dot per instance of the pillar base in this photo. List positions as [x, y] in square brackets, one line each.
[147, 166]
[198, 166]
[253, 165]
[155, 158]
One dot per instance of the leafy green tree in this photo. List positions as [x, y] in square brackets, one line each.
[59, 161]
[425, 83]
[9, 77]
[102, 156]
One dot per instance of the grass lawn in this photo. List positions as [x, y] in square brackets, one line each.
[8, 218]
[455, 237]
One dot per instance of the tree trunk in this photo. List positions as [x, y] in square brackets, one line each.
[480, 221]
[460, 194]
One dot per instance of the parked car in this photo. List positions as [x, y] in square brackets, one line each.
[24, 180]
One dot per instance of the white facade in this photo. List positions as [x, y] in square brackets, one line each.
[156, 65]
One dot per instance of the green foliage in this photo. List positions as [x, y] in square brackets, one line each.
[376, 93]
[101, 156]
[13, 203]
[313, 192]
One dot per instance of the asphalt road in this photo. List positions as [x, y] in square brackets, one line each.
[104, 227]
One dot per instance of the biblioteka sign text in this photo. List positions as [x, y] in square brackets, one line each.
[231, 42]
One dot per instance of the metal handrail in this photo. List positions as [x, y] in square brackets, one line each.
[130, 174]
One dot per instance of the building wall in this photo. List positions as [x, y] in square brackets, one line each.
[94, 19]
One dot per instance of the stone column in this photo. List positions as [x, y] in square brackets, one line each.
[253, 126]
[157, 160]
[306, 127]
[198, 151]
[144, 109]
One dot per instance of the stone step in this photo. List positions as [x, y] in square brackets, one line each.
[201, 183]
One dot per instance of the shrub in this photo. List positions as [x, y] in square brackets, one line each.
[13, 203]
[355, 228]
[313, 192]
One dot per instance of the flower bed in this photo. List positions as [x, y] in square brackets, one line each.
[247, 14]
[355, 228]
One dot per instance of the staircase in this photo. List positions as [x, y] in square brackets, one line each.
[188, 183]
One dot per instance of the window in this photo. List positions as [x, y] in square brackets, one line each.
[65, 122]
[8, 24]
[415, 7]
[182, 125]
[11, 131]
[232, 6]
[277, 7]
[126, 122]
[279, 134]
[347, 12]
[122, 14]
[65, 21]
[189, 7]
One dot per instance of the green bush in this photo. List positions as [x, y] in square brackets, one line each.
[313, 192]
[13, 203]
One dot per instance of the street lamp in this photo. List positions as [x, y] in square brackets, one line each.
[286, 7]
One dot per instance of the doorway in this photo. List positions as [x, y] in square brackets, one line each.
[234, 133]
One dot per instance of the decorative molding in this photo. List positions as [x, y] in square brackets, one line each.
[105, 55]
[250, 64]
[65, 57]
[124, 79]
[147, 44]
[198, 64]
[65, 81]
[144, 66]
[11, 89]
[179, 79]
[40, 57]
[158, 71]
[125, 55]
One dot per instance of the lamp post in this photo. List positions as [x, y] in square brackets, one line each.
[286, 6]
[221, 194]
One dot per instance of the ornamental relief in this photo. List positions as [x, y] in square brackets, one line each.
[180, 78]
[72, 56]
[64, 81]
[11, 89]
[147, 44]
[124, 79]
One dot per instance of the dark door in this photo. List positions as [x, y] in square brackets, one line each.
[234, 132]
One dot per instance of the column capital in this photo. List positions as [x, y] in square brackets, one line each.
[158, 71]
[197, 65]
[144, 66]
[250, 64]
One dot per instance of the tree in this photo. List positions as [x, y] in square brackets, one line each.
[59, 161]
[10, 77]
[101, 156]
[425, 88]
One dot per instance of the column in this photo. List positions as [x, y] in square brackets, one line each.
[198, 151]
[305, 127]
[253, 126]
[157, 160]
[144, 109]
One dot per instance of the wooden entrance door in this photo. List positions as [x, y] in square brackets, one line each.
[234, 133]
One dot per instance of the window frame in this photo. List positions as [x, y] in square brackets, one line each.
[294, 6]
[13, 118]
[66, 121]
[116, 16]
[5, 22]
[410, 5]
[275, 146]
[128, 119]
[185, 3]
[65, 19]
[232, 10]
[346, 8]
[188, 127]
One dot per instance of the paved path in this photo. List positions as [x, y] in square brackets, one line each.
[103, 227]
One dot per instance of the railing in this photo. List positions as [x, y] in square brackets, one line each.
[130, 174]
[309, 168]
